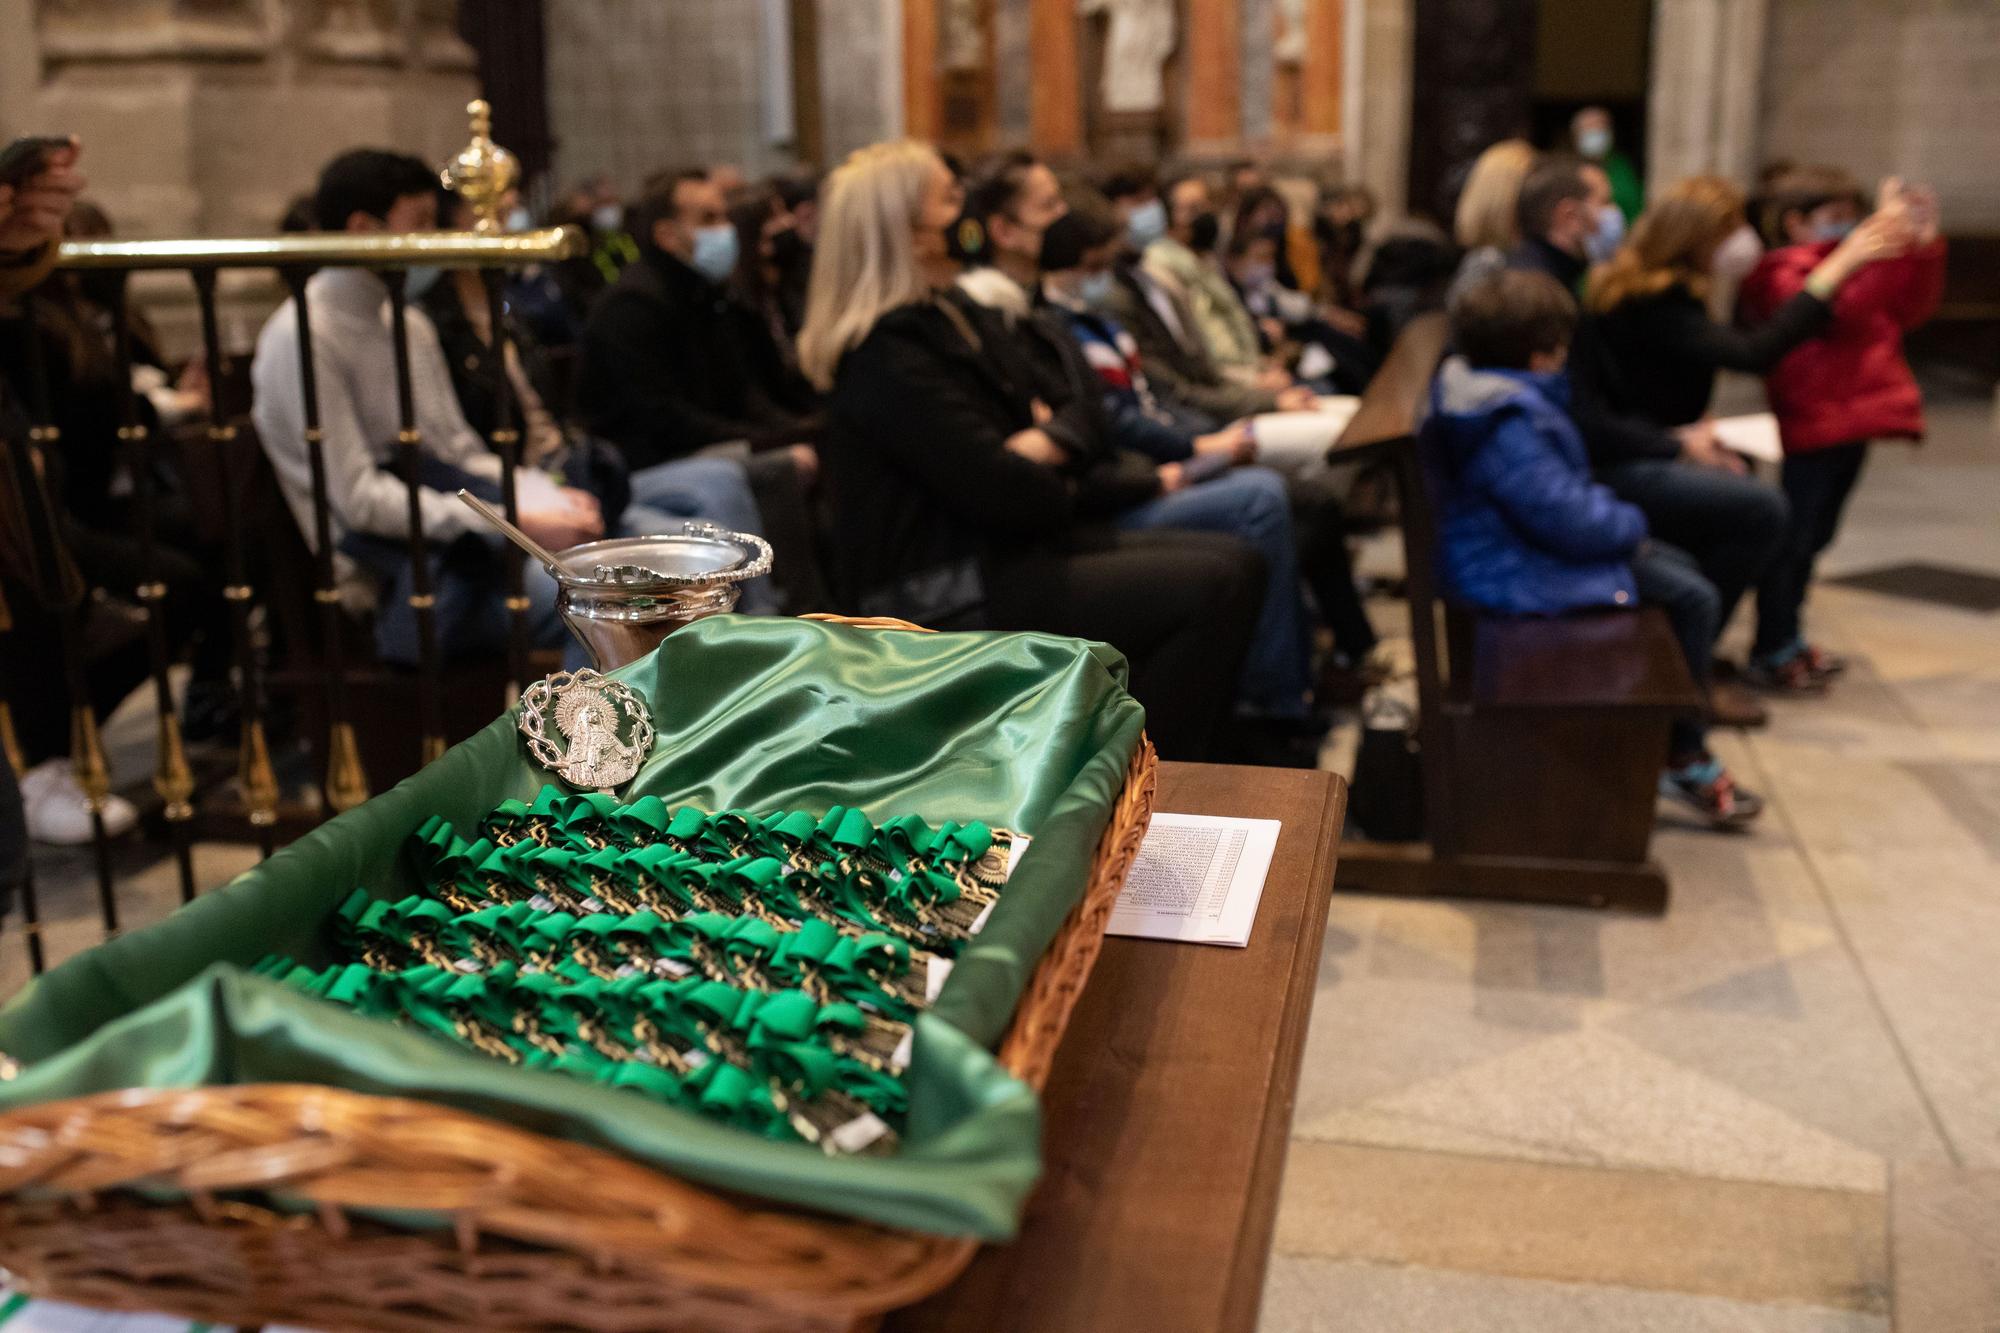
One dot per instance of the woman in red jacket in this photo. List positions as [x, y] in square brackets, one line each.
[1836, 392]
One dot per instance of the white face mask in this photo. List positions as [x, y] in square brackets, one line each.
[1737, 254]
[1594, 142]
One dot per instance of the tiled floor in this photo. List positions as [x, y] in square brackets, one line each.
[1518, 1118]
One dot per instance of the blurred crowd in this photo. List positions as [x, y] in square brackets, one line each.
[995, 395]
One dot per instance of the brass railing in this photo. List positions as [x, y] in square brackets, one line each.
[295, 258]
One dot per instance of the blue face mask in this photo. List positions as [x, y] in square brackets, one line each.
[1831, 231]
[1147, 224]
[715, 252]
[1601, 244]
[519, 219]
[1095, 289]
[418, 279]
[607, 218]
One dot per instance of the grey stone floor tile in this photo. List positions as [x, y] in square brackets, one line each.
[1325, 1296]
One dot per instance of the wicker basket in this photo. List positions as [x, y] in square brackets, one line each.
[548, 1235]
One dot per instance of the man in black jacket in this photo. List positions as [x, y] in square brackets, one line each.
[1695, 493]
[671, 363]
[674, 367]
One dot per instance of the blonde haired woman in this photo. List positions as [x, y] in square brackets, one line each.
[1484, 224]
[950, 505]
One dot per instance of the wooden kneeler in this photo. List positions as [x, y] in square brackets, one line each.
[1543, 738]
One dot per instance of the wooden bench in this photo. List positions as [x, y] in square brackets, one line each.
[1541, 739]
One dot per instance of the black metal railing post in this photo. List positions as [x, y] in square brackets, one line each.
[173, 779]
[345, 783]
[507, 443]
[255, 778]
[423, 603]
[64, 591]
[17, 763]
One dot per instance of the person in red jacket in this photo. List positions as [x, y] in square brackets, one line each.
[1835, 392]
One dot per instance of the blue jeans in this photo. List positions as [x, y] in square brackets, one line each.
[468, 582]
[1251, 503]
[1670, 579]
[1733, 526]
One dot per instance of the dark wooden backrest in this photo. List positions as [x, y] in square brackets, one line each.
[1385, 427]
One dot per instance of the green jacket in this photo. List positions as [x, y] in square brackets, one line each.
[1225, 326]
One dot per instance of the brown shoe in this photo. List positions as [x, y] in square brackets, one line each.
[1730, 705]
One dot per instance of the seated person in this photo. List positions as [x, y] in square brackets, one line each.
[1295, 430]
[1185, 257]
[951, 505]
[711, 488]
[1327, 358]
[1078, 255]
[1138, 481]
[1690, 488]
[673, 364]
[1524, 531]
[370, 192]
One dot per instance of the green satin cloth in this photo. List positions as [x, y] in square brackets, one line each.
[1029, 732]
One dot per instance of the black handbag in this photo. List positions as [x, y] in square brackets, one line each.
[1386, 799]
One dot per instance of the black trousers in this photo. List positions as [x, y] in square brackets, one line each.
[1325, 566]
[1733, 526]
[1817, 483]
[1179, 605]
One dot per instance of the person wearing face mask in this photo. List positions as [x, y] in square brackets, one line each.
[1692, 490]
[1590, 134]
[1077, 260]
[1836, 393]
[674, 366]
[1126, 471]
[1654, 353]
[950, 502]
[1608, 231]
[371, 192]
[1185, 258]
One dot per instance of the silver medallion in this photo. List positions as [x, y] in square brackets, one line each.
[605, 728]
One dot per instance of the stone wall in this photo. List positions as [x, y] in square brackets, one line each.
[206, 117]
[1909, 87]
[203, 117]
[637, 85]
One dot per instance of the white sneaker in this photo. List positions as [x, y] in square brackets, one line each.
[58, 812]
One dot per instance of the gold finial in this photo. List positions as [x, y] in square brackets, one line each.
[86, 757]
[253, 767]
[172, 778]
[483, 172]
[346, 783]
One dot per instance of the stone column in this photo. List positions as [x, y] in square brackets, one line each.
[1257, 33]
[1703, 108]
[1375, 120]
[860, 74]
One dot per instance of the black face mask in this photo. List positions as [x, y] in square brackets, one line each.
[789, 250]
[1204, 232]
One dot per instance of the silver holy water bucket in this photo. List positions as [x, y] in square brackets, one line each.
[622, 595]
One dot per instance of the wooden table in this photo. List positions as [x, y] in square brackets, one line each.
[1169, 1108]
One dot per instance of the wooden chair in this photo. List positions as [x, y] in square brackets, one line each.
[1541, 739]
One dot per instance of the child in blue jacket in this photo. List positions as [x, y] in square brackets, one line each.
[1523, 528]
